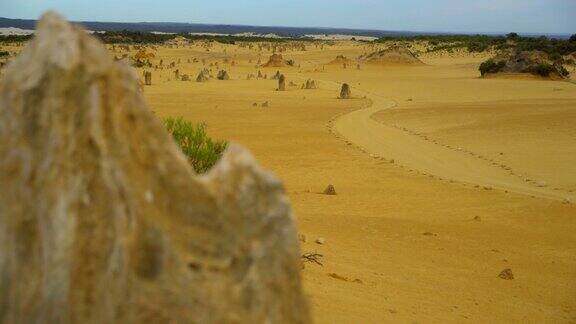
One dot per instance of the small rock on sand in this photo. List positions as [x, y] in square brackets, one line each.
[541, 184]
[506, 274]
[330, 190]
[320, 241]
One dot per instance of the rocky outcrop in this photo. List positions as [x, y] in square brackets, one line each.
[345, 92]
[276, 76]
[203, 76]
[311, 85]
[148, 78]
[223, 75]
[282, 83]
[276, 60]
[102, 219]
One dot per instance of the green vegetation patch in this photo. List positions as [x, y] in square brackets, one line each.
[490, 66]
[201, 150]
[15, 38]
[480, 43]
[136, 37]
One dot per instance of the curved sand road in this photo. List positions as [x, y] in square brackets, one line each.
[419, 154]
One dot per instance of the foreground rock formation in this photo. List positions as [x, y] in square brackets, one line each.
[102, 220]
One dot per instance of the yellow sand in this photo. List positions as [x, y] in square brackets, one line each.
[402, 243]
[481, 169]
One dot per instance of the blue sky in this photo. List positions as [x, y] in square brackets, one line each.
[524, 16]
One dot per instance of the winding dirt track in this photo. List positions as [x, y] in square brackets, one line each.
[416, 153]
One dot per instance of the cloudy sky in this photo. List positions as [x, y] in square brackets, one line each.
[524, 16]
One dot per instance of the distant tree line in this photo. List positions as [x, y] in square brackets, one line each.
[554, 47]
[480, 43]
[15, 38]
[473, 43]
[138, 37]
[229, 39]
[134, 37]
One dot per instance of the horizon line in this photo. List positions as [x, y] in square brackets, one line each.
[416, 32]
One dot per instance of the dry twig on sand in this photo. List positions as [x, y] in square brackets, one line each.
[313, 257]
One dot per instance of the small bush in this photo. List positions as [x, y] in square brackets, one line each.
[476, 47]
[202, 151]
[542, 69]
[4, 53]
[445, 47]
[512, 36]
[491, 67]
[503, 46]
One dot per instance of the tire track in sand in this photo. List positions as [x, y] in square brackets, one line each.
[417, 153]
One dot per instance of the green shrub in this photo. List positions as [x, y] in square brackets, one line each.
[202, 151]
[15, 38]
[445, 47]
[542, 69]
[479, 43]
[138, 37]
[477, 47]
[503, 46]
[556, 57]
[512, 36]
[4, 53]
[491, 67]
[139, 64]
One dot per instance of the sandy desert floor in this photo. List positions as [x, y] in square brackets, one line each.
[443, 179]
